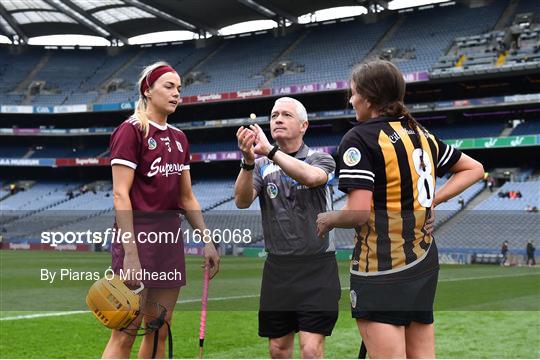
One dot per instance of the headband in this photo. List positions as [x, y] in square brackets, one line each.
[151, 78]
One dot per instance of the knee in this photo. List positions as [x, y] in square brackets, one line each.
[279, 351]
[312, 351]
[420, 352]
[387, 351]
[122, 339]
[413, 354]
[151, 323]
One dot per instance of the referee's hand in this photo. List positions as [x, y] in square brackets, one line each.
[246, 139]
[323, 223]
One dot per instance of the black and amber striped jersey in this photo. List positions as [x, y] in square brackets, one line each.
[384, 155]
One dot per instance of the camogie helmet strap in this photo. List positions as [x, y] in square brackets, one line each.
[363, 351]
[169, 337]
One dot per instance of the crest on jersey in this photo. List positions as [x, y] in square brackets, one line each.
[152, 144]
[352, 156]
[353, 298]
[272, 190]
[179, 146]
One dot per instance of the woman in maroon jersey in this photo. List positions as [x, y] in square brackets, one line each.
[151, 185]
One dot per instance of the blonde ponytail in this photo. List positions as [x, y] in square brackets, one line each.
[140, 108]
[140, 114]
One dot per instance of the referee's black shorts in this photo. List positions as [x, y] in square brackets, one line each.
[399, 298]
[299, 293]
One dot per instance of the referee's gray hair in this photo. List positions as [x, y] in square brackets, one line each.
[300, 108]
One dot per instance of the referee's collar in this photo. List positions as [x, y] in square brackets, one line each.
[302, 152]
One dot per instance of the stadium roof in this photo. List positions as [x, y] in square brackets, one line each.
[123, 19]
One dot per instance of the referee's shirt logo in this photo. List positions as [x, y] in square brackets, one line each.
[272, 190]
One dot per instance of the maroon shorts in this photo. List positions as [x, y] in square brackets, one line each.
[162, 261]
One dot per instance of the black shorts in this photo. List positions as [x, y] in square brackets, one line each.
[398, 298]
[299, 293]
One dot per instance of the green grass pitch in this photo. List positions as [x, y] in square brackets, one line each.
[482, 311]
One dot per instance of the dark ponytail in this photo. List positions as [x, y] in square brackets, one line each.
[415, 126]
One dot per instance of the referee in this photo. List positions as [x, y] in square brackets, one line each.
[300, 287]
[388, 165]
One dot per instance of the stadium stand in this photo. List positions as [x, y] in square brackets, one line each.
[75, 67]
[47, 206]
[529, 6]
[494, 219]
[213, 192]
[471, 129]
[182, 57]
[62, 151]
[14, 151]
[238, 63]
[530, 191]
[14, 68]
[527, 127]
[38, 197]
[516, 46]
[52, 209]
[524, 175]
[313, 138]
[322, 58]
[111, 63]
[430, 32]
[307, 55]
[449, 209]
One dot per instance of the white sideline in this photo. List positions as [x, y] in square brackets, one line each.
[33, 316]
[222, 298]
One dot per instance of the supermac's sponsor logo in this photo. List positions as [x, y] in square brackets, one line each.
[209, 97]
[152, 143]
[272, 190]
[66, 247]
[352, 156]
[88, 161]
[250, 93]
[164, 169]
[15, 246]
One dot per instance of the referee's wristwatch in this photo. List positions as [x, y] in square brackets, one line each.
[247, 167]
[273, 152]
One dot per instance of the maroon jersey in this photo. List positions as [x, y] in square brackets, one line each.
[158, 161]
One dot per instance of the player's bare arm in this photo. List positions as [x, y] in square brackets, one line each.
[193, 214]
[122, 181]
[355, 213]
[466, 172]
